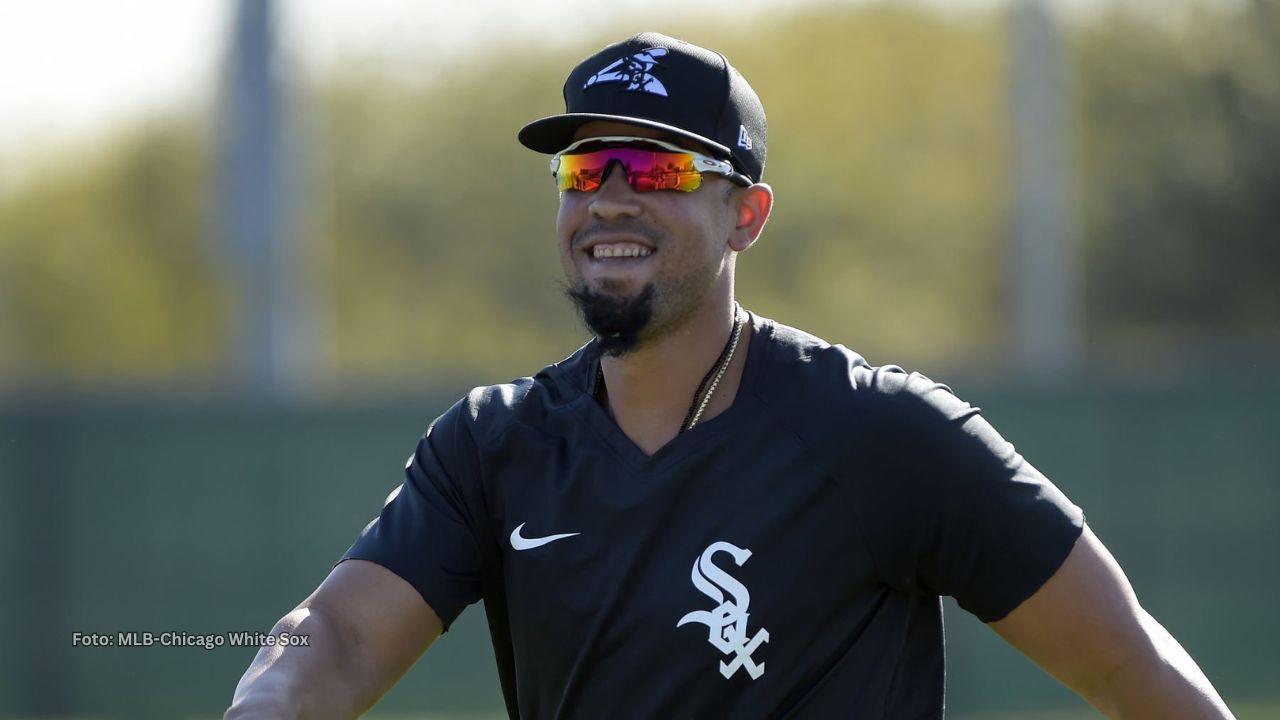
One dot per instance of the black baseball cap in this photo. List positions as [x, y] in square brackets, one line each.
[660, 82]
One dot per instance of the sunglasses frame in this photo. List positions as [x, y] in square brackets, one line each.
[702, 163]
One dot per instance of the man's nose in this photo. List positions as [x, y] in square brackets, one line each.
[614, 198]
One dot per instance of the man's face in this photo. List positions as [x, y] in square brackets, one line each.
[638, 264]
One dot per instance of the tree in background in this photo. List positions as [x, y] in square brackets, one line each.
[1180, 132]
[432, 230]
[105, 274]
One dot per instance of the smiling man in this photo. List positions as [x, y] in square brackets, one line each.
[702, 512]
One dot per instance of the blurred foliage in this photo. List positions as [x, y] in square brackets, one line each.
[432, 199]
[1180, 139]
[105, 274]
[431, 231]
[438, 227]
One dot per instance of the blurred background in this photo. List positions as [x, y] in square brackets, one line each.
[250, 249]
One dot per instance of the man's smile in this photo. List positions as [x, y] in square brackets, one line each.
[603, 251]
[612, 251]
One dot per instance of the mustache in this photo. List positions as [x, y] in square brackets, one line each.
[625, 226]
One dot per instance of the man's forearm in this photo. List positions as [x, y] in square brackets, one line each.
[313, 681]
[1163, 684]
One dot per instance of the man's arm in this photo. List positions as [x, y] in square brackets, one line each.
[366, 627]
[1086, 628]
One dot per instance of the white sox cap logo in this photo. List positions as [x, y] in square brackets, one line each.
[634, 71]
[727, 622]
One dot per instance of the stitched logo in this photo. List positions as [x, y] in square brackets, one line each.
[727, 622]
[744, 140]
[635, 71]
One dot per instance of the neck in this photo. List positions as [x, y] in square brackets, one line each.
[648, 391]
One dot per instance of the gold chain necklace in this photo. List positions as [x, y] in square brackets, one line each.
[722, 364]
[714, 376]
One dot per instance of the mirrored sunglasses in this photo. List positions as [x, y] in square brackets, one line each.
[648, 164]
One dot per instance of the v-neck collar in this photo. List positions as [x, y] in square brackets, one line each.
[701, 435]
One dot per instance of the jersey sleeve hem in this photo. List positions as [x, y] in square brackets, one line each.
[437, 605]
[1031, 580]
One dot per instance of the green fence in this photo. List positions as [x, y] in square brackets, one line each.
[119, 517]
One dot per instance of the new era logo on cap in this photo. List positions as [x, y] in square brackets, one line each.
[658, 82]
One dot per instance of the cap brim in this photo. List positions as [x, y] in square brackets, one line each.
[554, 133]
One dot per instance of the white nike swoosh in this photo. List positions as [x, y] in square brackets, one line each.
[524, 543]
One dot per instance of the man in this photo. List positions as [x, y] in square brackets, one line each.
[703, 513]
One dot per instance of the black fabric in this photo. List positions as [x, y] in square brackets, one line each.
[783, 559]
[666, 84]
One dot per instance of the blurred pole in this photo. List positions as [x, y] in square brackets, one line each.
[1044, 258]
[257, 212]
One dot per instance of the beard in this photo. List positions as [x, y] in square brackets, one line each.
[616, 321]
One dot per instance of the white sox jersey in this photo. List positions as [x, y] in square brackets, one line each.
[781, 560]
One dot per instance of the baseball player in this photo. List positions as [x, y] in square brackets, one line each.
[704, 513]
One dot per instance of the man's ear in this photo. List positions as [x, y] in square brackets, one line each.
[751, 206]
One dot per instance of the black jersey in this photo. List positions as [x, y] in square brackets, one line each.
[782, 559]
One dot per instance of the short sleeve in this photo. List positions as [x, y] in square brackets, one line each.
[427, 530]
[949, 507]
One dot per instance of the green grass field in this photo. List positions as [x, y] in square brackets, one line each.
[1249, 711]
[1245, 711]
[1252, 711]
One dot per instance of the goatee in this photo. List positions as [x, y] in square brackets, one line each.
[616, 321]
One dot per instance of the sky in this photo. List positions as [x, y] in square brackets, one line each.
[76, 68]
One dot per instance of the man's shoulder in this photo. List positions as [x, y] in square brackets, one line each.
[795, 355]
[810, 376]
[490, 410]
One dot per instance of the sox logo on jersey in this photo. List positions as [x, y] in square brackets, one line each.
[727, 622]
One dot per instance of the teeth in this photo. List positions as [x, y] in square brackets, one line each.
[612, 250]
